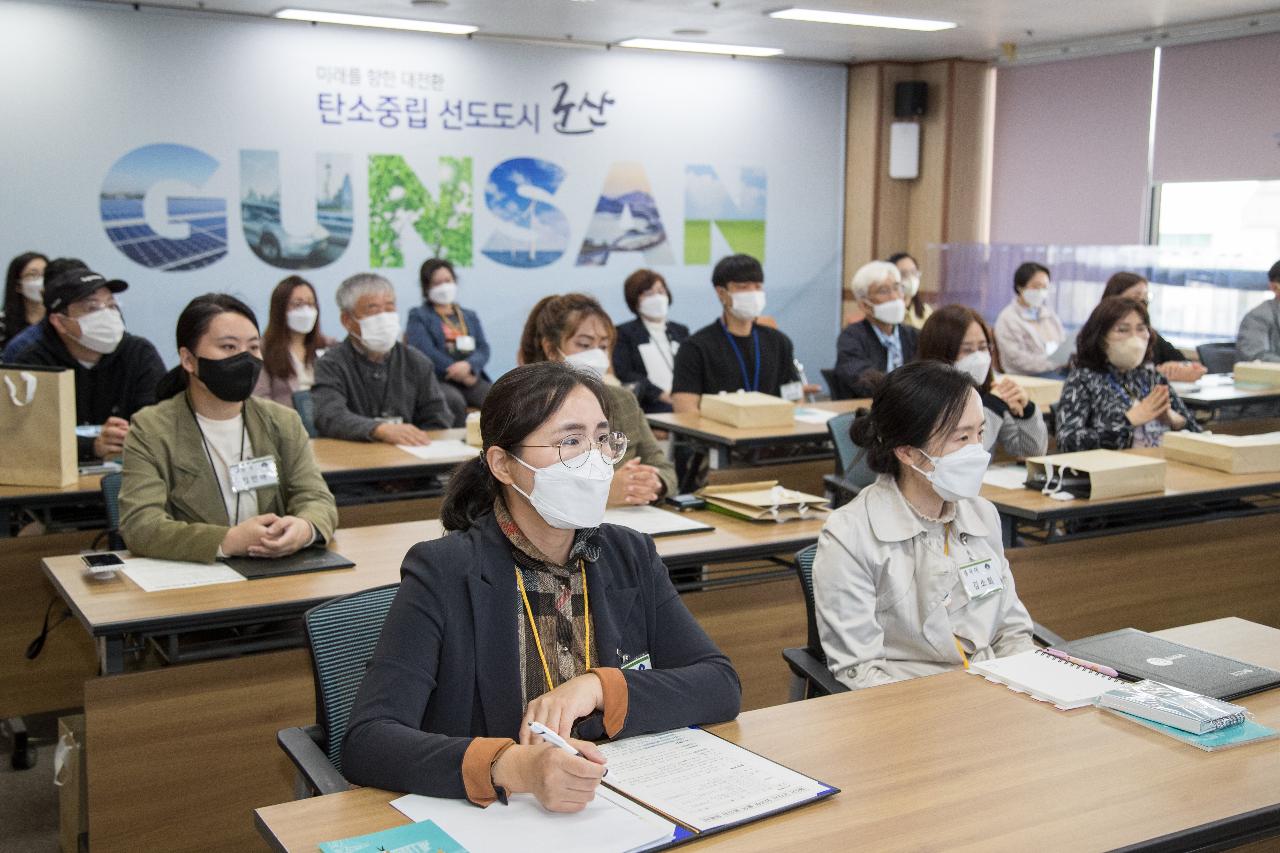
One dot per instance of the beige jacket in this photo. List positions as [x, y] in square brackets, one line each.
[890, 604]
[1024, 342]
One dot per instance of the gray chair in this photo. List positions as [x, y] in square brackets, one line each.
[341, 635]
[833, 383]
[851, 463]
[306, 409]
[1218, 357]
[810, 676]
[110, 486]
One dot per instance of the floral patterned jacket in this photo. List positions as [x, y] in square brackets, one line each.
[1091, 411]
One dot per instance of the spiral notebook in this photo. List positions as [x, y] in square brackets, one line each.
[1047, 678]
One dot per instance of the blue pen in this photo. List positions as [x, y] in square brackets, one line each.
[555, 740]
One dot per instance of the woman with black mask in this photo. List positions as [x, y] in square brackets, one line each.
[211, 471]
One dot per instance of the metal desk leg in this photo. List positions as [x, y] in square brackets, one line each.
[1008, 530]
[111, 654]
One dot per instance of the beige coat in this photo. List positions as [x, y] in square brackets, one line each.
[890, 604]
[170, 506]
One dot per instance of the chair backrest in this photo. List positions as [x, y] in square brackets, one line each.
[833, 383]
[846, 450]
[306, 409]
[1218, 357]
[342, 635]
[111, 497]
[804, 569]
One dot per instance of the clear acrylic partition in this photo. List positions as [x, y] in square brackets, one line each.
[1196, 295]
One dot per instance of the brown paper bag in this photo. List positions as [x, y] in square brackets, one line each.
[763, 501]
[1234, 454]
[38, 422]
[1096, 473]
[1264, 373]
[748, 409]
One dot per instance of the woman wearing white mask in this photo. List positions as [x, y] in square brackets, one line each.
[644, 358]
[574, 329]
[918, 311]
[23, 294]
[910, 577]
[598, 644]
[291, 342]
[957, 335]
[880, 342]
[451, 336]
[1028, 330]
[1114, 398]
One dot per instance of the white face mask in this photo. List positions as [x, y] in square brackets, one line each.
[32, 289]
[654, 306]
[570, 498]
[595, 360]
[101, 331]
[747, 304]
[976, 365]
[301, 320]
[891, 312]
[910, 286]
[380, 332]
[958, 475]
[1035, 296]
[1128, 353]
[444, 293]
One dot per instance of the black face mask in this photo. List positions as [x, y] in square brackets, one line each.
[230, 379]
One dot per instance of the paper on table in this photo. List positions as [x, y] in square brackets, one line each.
[813, 416]
[651, 520]
[441, 450]
[655, 365]
[1010, 476]
[1059, 355]
[609, 823]
[702, 780]
[155, 575]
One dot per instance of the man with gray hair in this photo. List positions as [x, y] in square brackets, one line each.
[371, 387]
[880, 342]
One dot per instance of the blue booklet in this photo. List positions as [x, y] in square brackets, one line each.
[422, 837]
[1237, 735]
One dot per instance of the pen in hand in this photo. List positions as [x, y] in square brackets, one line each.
[1096, 667]
[558, 742]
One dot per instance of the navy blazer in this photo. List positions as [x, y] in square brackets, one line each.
[858, 350]
[629, 367]
[425, 332]
[447, 668]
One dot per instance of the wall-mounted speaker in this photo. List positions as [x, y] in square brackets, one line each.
[910, 98]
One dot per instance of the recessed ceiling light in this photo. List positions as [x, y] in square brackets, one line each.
[855, 19]
[688, 31]
[437, 3]
[375, 21]
[700, 47]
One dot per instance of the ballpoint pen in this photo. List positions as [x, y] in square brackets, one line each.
[1096, 667]
[555, 740]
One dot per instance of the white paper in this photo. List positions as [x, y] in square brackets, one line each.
[702, 780]
[656, 366]
[813, 416]
[609, 824]
[651, 520]
[155, 575]
[1010, 476]
[1061, 354]
[441, 450]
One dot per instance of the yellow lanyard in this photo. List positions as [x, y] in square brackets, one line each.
[960, 649]
[457, 321]
[946, 550]
[533, 623]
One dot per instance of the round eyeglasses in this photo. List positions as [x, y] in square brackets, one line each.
[574, 449]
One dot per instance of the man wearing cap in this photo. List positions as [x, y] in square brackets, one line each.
[116, 372]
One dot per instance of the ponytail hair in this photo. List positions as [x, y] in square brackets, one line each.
[914, 403]
[193, 322]
[522, 400]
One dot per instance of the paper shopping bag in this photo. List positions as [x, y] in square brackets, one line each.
[1096, 473]
[1234, 454]
[38, 422]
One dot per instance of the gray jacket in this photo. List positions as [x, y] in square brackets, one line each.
[1259, 336]
[352, 394]
[1018, 437]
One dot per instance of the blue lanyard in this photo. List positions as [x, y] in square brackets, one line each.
[1123, 393]
[755, 344]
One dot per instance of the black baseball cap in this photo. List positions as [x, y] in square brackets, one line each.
[74, 285]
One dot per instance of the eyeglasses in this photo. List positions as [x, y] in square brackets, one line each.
[89, 306]
[574, 449]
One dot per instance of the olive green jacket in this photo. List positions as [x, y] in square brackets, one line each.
[626, 417]
[170, 506]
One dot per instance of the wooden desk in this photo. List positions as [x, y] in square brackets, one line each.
[1226, 394]
[723, 440]
[952, 761]
[1187, 487]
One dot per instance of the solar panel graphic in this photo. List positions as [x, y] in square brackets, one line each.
[206, 219]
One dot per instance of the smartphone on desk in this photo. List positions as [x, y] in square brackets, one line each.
[101, 566]
[686, 502]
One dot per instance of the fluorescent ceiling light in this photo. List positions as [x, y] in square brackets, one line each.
[700, 47]
[855, 19]
[375, 21]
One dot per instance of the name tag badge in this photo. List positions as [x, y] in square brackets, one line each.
[390, 419]
[464, 343]
[793, 391]
[981, 578]
[639, 663]
[253, 474]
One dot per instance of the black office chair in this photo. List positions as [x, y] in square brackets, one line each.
[341, 635]
[833, 383]
[1218, 357]
[306, 409]
[110, 486]
[809, 665]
